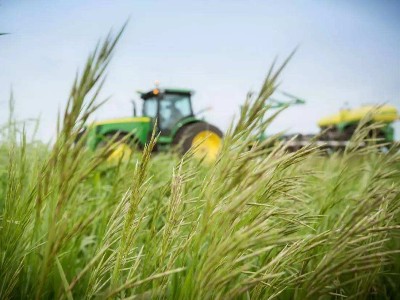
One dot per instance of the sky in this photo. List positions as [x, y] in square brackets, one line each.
[349, 54]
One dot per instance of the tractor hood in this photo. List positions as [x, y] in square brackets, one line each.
[123, 120]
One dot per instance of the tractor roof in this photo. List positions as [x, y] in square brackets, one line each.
[156, 91]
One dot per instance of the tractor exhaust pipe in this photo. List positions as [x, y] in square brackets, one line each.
[134, 107]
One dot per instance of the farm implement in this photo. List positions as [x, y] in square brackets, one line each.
[336, 130]
[179, 127]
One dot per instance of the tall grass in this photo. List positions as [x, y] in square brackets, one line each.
[259, 222]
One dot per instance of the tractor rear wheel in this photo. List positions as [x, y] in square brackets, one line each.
[204, 138]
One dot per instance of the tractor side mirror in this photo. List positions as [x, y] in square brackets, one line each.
[134, 108]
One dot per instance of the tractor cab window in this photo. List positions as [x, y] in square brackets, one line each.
[173, 108]
[150, 108]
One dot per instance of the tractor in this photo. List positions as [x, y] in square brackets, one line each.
[177, 125]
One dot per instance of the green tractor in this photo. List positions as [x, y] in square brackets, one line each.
[177, 126]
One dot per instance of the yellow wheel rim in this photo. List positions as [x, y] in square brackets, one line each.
[206, 145]
[120, 152]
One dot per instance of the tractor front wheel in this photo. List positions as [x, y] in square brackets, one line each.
[205, 140]
[121, 148]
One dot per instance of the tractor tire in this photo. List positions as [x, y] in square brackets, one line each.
[204, 138]
[123, 150]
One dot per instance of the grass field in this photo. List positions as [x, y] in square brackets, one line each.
[258, 223]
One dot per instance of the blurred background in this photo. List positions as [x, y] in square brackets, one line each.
[349, 54]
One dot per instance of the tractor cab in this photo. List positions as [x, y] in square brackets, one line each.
[168, 106]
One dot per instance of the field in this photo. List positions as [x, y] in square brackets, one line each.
[258, 223]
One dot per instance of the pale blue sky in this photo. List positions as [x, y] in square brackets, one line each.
[349, 52]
